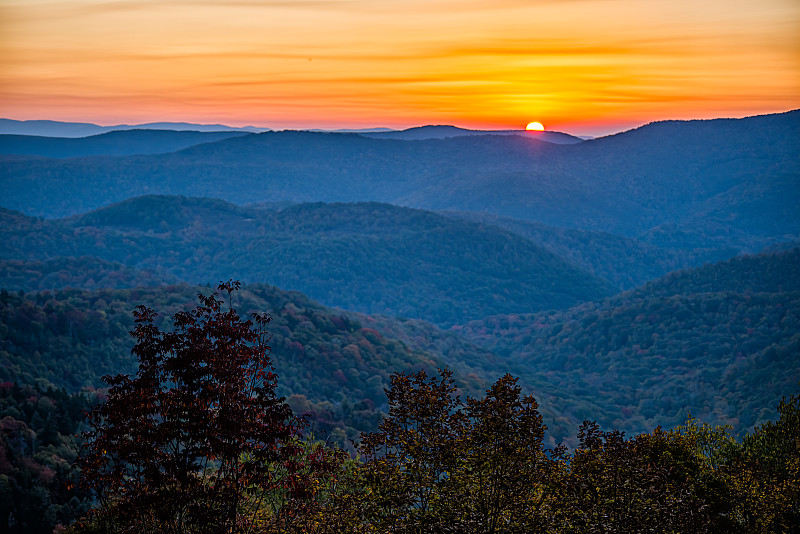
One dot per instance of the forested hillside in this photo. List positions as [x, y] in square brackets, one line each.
[85, 272]
[372, 258]
[329, 363]
[37, 456]
[624, 261]
[774, 272]
[713, 341]
[720, 342]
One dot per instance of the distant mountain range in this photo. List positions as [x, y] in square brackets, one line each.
[47, 128]
[728, 183]
[445, 132]
[116, 143]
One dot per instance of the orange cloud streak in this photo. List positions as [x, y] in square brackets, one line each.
[334, 63]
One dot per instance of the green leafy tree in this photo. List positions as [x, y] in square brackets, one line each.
[503, 470]
[410, 460]
[439, 465]
[332, 497]
[643, 484]
[191, 443]
[765, 474]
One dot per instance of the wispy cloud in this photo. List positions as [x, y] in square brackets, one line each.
[491, 61]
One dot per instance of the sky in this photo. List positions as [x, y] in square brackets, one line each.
[587, 67]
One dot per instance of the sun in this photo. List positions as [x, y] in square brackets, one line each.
[535, 127]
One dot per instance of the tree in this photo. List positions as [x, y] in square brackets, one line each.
[650, 483]
[765, 473]
[503, 472]
[410, 459]
[438, 465]
[191, 443]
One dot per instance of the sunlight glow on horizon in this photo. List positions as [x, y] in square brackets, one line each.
[592, 65]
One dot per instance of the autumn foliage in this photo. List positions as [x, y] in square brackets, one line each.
[198, 442]
[191, 443]
[438, 464]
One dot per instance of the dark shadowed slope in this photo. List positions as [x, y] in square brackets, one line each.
[775, 272]
[626, 262]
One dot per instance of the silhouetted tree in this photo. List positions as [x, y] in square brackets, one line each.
[198, 438]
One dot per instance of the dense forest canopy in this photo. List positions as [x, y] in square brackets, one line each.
[472, 370]
[368, 257]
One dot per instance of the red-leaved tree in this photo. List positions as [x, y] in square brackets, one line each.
[198, 437]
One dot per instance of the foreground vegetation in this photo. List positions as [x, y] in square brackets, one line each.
[198, 441]
[440, 465]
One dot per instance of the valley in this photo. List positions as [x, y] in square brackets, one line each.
[632, 280]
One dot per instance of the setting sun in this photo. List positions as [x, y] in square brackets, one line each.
[535, 127]
[358, 64]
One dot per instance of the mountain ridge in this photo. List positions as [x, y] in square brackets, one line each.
[50, 128]
[366, 257]
[444, 131]
[726, 182]
[113, 143]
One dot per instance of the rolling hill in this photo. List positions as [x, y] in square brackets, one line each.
[721, 342]
[368, 257]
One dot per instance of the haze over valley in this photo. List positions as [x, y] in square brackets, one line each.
[608, 274]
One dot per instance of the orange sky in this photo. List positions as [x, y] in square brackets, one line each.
[582, 66]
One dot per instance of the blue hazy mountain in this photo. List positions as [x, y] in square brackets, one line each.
[446, 131]
[47, 128]
[726, 183]
[367, 257]
[116, 143]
